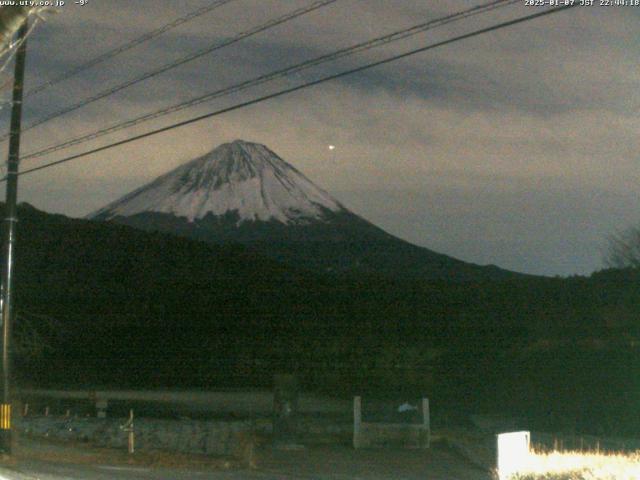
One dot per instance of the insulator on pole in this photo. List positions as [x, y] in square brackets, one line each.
[11, 18]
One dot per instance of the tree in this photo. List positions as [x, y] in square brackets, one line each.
[624, 249]
[35, 335]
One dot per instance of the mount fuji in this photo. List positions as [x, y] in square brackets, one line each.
[242, 192]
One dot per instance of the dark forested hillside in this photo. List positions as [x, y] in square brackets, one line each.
[120, 307]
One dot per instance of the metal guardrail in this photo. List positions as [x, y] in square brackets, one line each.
[246, 402]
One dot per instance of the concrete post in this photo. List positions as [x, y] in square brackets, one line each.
[425, 440]
[101, 407]
[132, 434]
[7, 295]
[285, 409]
[357, 422]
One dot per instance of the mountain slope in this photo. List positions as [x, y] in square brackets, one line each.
[243, 192]
[241, 177]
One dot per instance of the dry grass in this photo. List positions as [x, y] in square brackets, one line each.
[580, 466]
[80, 453]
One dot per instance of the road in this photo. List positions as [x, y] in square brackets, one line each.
[317, 463]
[66, 471]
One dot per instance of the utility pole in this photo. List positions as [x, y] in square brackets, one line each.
[7, 293]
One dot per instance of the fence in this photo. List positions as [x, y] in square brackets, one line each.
[231, 403]
[388, 424]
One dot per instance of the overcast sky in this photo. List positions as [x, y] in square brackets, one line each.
[517, 148]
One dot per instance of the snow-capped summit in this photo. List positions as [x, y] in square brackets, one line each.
[244, 193]
[240, 178]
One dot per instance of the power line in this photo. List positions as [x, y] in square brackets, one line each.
[301, 87]
[200, 53]
[357, 48]
[127, 46]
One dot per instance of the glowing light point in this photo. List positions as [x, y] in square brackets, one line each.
[332, 147]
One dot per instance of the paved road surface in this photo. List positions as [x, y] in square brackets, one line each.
[63, 471]
[318, 463]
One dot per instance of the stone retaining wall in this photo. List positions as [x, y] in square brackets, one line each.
[206, 437]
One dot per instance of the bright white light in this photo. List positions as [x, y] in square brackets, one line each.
[513, 453]
[332, 147]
